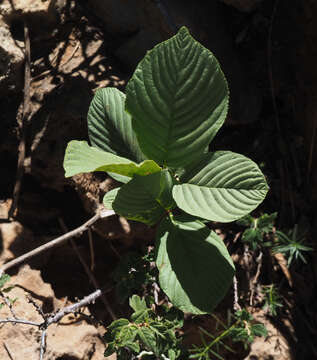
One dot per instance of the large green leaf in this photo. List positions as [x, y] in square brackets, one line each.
[144, 198]
[195, 268]
[223, 186]
[109, 125]
[178, 99]
[82, 158]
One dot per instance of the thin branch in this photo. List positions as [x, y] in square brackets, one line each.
[256, 277]
[8, 350]
[236, 305]
[89, 273]
[43, 344]
[19, 321]
[22, 124]
[8, 303]
[73, 308]
[57, 241]
[56, 317]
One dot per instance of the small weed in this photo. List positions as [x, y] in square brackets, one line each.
[4, 290]
[272, 300]
[257, 229]
[146, 334]
[242, 330]
[291, 245]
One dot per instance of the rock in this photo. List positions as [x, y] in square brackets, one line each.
[36, 12]
[69, 339]
[11, 60]
[16, 240]
[243, 5]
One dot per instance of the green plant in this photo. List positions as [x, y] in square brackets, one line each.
[176, 101]
[243, 329]
[134, 272]
[254, 235]
[291, 245]
[4, 278]
[272, 299]
[146, 334]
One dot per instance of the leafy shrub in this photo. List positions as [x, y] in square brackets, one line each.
[257, 228]
[145, 333]
[155, 140]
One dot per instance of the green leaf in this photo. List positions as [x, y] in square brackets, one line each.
[117, 324]
[3, 279]
[110, 350]
[252, 236]
[137, 303]
[259, 330]
[266, 221]
[223, 186]
[178, 99]
[246, 220]
[109, 125]
[145, 198]
[108, 199]
[148, 338]
[134, 346]
[195, 268]
[82, 158]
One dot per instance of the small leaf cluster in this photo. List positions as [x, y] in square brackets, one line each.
[272, 299]
[145, 332]
[246, 330]
[257, 228]
[260, 233]
[155, 141]
[4, 278]
[291, 245]
[240, 328]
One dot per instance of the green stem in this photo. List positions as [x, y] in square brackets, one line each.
[221, 336]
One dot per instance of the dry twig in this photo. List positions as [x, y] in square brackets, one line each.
[89, 273]
[58, 241]
[236, 305]
[55, 318]
[256, 277]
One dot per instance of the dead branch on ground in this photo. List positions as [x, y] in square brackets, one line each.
[61, 239]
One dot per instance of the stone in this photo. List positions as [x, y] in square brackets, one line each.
[11, 60]
[34, 11]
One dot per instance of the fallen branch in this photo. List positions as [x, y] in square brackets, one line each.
[89, 273]
[49, 320]
[61, 239]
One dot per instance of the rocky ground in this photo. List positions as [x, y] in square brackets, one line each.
[267, 51]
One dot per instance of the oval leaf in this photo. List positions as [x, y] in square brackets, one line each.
[195, 268]
[223, 186]
[145, 198]
[82, 158]
[109, 125]
[178, 98]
